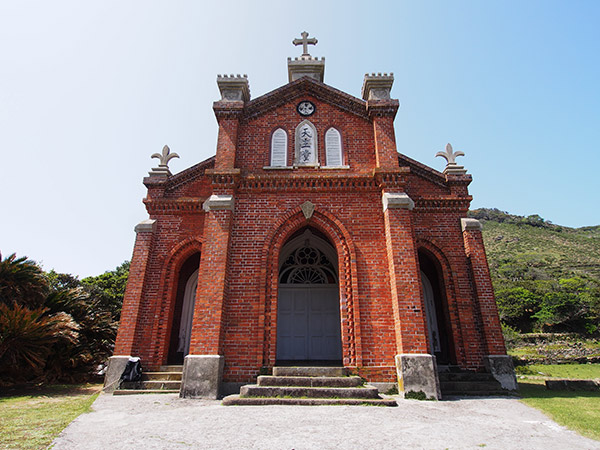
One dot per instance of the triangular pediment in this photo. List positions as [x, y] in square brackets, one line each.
[302, 87]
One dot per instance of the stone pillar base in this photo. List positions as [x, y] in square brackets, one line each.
[202, 376]
[501, 367]
[116, 366]
[417, 376]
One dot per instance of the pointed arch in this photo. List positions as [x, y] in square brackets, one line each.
[307, 152]
[324, 222]
[437, 268]
[167, 293]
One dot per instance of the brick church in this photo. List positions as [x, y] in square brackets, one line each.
[308, 240]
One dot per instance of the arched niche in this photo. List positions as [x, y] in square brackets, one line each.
[306, 145]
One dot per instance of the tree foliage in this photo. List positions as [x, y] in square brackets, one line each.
[53, 326]
[546, 277]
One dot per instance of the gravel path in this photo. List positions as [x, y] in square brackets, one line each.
[168, 422]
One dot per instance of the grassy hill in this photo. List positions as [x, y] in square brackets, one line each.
[546, 277]
[557, 251]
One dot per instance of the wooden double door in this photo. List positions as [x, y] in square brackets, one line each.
[308, 323]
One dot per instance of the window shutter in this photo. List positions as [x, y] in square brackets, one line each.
[333, 147]
[279, 148]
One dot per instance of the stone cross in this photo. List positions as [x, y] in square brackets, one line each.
[305, 42]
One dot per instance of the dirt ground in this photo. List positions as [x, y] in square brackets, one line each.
[168, 422]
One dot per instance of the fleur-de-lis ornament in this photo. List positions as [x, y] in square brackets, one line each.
[449, 155]
[165, 157]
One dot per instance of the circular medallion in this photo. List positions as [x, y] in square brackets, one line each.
[306, 108]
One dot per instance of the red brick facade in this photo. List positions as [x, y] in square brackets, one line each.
[380, 251]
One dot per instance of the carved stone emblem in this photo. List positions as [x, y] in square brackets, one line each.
[450, 156]
[164, 157]
[307, 209]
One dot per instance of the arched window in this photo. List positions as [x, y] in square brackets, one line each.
[306, 144]
[333, 148]
[279, 148]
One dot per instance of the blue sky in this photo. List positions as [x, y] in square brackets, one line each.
[89, 90]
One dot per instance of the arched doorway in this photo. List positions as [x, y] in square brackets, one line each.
[436, 309]
[308, 307]
[181, 329]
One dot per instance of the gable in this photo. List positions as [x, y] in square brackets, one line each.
[304, 87]
[277, 112]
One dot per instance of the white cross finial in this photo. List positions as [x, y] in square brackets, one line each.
[305, 42]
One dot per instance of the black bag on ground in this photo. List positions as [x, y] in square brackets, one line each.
[133, 370]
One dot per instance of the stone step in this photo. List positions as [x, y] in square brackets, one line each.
[483, 393]
[468, 386]
[152, 385]
[265, 380]
[465, 376]
[309, 371]
[171, 368]
[164, 376]
[145, 391]
[253, 390]
[260, 401]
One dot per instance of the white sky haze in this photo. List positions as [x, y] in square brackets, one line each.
[89, 90]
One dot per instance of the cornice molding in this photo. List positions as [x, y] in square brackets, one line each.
[443, 203]
[308, 183]
[382, 108]
[167, 206]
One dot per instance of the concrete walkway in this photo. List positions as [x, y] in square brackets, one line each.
[167, 422]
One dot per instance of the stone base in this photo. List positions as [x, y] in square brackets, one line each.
[501, 367]
[202, 376]
[116, 366]
[417, 375]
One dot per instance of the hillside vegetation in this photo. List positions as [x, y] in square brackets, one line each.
[546, 277]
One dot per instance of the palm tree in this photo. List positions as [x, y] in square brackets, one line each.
[27, 337]
[22, 282]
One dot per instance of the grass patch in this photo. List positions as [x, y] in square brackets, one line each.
[577, 410]
[573, 371]
[30, 418]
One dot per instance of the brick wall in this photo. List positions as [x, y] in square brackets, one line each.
[381, 306]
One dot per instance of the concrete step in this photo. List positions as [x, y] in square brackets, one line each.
[171, 368]
[469, 386]
[145, 391]
[309, 372]
[482, 393]
[164, 376]
[152, 385]
[265, 380]
[465, 376]
[260, 401]
[166, 381]
[253, 390]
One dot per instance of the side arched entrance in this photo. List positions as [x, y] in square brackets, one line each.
[308, 311]
[441, 342]
[183, 312]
